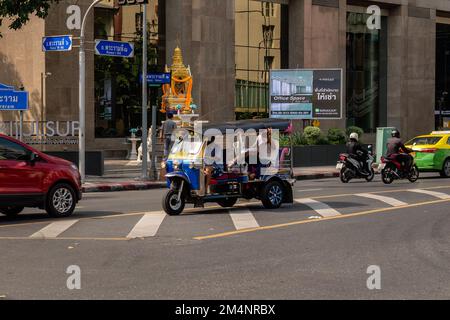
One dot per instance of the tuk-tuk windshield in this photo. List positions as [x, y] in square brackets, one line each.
[186, 146]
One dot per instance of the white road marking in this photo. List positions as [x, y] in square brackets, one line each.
[53, 229]
[148, 225]
[319, 207]
[243, 219]
[390, 201]
[439, 195]
[309, 190]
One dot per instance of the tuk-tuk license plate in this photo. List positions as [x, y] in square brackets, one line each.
[339, 166]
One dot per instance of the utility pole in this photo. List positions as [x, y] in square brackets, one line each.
[144, 174]
[154, 173]
[82, 98]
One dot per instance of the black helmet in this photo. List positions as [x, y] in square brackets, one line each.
[395, 133]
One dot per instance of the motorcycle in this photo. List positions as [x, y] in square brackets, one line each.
[391, 170]
[350, 168]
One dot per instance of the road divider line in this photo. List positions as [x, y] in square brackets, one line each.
[53, 229]
[148, 225]
[436, 194]
[321, 208]
[243, 219]
[66, 238]
[390, 201]
[294, 223]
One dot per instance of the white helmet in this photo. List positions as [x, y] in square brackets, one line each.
[354, 135]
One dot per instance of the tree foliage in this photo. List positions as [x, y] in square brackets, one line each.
[19, 11]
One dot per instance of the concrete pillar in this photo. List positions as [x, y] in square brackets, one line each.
[204, 30]
[411, 69]
[317, 39]
[397, 56]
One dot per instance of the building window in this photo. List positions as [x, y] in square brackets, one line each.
[258, 50]
[118, 93]
[138, 21]
[366, 73]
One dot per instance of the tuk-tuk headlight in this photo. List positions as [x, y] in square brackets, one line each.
[176, 165]
[192, 165]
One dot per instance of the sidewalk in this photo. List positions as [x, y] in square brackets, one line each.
[123, 175]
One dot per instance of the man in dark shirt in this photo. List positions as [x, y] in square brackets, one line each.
[396, 149]
[166, 134]
[358, 152]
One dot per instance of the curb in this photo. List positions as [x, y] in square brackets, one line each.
[133, 186]
[126, 186]
[317, 176]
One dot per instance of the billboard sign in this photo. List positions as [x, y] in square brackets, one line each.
[306, 94]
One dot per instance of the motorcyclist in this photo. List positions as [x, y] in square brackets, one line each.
[396, 149]
[358, 152]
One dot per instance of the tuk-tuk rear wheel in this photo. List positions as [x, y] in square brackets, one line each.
[171, 205]
[272, 195]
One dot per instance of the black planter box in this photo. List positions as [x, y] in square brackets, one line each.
[94, 160]
[314, 156]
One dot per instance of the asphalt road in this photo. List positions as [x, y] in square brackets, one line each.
[318, 248]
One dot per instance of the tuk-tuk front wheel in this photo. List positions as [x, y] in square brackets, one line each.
[272, 195]
[171, 204]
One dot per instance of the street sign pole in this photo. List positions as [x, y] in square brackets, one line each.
[21, 125]
[144, 96]
[154, 142]
[82, 98]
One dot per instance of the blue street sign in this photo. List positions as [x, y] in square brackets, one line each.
[158, 78]
[57, 43]
[114, 48]
[11, 100]
[4, 86]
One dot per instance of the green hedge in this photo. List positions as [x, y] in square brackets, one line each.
[314, 136]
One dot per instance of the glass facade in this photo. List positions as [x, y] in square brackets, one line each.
[366, 73]
[118, 92]
[258, 49]
[442, 75]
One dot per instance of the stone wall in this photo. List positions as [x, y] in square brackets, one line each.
[21, 63]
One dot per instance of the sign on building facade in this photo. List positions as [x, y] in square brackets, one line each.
[306, 94]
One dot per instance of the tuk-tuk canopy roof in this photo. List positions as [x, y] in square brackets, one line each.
[256, 124]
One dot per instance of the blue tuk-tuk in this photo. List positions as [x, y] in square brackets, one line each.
[195, 176]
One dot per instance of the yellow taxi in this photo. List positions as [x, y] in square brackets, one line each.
[432, 152]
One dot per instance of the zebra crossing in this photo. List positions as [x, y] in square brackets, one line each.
[148, 225]
[200, 221]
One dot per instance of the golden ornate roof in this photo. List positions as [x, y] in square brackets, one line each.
[178, 68]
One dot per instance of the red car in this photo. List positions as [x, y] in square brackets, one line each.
[30, 178]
